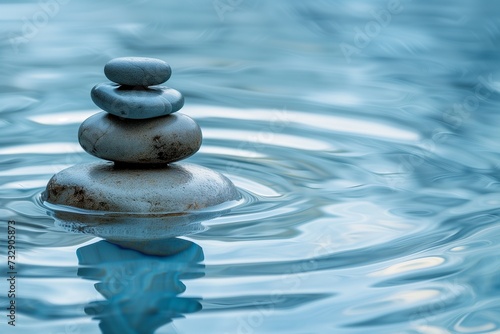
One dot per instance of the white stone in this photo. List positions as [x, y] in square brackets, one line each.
[175, 188]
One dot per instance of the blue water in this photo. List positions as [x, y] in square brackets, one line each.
[366, 152]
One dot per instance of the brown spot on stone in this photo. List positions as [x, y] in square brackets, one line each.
[79, 194]
[55, 189]
[103, 206]
[162, 155]
[157, 142]
[193, 206]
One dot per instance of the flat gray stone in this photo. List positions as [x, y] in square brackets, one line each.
[145, 141]
[137, 71]
[136, 102]
[174, 188]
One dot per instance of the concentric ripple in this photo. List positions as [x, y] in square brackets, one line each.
[318, 224]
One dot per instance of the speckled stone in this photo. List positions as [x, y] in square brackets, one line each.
[145, 141]
[136, 102]
[137, 71]
[105, 187]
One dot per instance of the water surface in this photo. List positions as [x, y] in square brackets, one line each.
[366, 151]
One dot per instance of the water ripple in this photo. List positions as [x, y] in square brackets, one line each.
[369, 179]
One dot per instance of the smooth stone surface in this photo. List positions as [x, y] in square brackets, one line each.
[137, 71]
[174, 188]
[136, 102]
[159, 140]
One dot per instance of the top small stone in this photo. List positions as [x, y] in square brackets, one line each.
[137, 71]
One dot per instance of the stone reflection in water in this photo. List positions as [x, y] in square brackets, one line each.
[148, 234]
[141, 291]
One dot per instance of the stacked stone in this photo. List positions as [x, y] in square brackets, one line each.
[138, 125]
[141, 133]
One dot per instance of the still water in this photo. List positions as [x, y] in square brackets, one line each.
[363, 136]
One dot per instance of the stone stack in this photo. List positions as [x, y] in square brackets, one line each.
[139, 125]
[141, 133]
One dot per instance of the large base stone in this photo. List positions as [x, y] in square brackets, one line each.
[104, 187]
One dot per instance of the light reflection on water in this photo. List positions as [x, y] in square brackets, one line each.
[371, 183]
